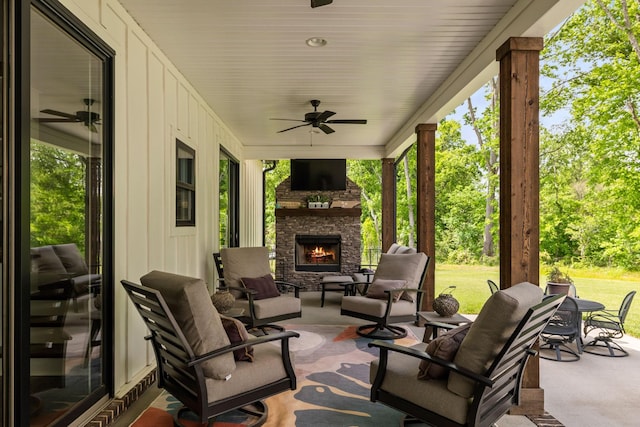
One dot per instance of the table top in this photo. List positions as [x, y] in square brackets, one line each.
[585, 305]
[432, 316]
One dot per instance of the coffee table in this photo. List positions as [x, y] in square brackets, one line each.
[430, 317]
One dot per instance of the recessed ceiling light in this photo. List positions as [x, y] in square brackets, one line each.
[316, 42]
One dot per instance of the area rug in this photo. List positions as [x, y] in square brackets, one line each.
[332, 367]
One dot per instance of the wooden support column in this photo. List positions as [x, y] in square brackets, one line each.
[388, 203]
[426, 204]
[519, 183]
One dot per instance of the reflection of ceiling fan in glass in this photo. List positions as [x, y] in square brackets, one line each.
[87, 117]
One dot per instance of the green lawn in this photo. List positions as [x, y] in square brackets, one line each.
[603, 285]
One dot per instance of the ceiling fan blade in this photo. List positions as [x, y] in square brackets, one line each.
[291, 120]
[352, 122]
[299, 126]
[318, 3]
[72, 117]
[326, 129]
[324, 116]
[54, 120]
[93, 128]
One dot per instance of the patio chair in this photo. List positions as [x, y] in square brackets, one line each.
[394, 295]
[610, 326]
[476, 383]
[363, 276]
[493, 287]
[263, 301]
[562, 329]
[197, 356]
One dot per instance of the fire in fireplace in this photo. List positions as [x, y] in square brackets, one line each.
[317, 253]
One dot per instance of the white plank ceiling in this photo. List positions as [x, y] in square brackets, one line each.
[395, 63]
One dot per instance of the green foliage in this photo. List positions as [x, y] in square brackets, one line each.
[57, 196]
[555, 275]
[272, 179]
[590, 165]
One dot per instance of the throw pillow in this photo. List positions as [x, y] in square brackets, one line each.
[237, 333]
[264, 286]
[444, 347]
[377, 288]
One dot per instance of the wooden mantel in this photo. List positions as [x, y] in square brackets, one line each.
[331, 212]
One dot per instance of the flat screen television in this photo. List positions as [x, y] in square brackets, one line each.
[318, 174]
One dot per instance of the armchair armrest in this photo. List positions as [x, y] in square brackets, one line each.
[296, 287]
[385, 347]
[282, 336]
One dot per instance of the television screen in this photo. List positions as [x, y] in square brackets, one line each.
[318, 174]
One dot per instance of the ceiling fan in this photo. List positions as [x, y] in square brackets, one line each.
[87, 117]
[318, 119]
[318, 3]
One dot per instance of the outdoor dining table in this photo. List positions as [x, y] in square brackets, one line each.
[585, 306]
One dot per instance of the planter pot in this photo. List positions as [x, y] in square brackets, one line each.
[558, 288]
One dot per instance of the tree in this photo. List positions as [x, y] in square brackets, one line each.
[487, 131]
[594, 60]
[57, 196]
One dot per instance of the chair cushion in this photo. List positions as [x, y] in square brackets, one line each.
[264, 286]
[400, 380]
[408, 267]
[379, 286]
[377, 307]
[266, 369]
[45, 260]
[489, 332]
[244, 262]
[191, 306]
[444, 347]
[271, 307]
[393, 248]
[237, 333]
[405, 250]
[71, 258]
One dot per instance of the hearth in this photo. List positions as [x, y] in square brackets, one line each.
[317, 252]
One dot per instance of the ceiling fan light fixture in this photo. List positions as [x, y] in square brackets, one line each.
[316, 42]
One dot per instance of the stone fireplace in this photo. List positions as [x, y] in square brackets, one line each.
[312, 243]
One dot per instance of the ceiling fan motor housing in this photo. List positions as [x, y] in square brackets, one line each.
[311, 117]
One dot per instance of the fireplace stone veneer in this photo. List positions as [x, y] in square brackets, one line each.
[343, 223]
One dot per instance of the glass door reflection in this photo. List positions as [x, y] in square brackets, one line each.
[66, 221]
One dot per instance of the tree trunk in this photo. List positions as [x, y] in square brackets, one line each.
[412, 222]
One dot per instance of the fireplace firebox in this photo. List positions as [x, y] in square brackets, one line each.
[317, 252]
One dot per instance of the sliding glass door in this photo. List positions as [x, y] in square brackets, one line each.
[61, 219]
[229, 181]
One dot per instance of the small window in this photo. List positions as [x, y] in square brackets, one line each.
[185, 185]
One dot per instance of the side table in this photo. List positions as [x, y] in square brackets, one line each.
[431, 317]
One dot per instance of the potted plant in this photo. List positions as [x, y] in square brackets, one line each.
[558, 282]
[317, 201]
[558, 276]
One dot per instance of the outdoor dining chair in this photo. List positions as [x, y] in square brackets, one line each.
[562, 329]
[610, 326]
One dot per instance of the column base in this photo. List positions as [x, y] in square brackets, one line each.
[531, 402]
